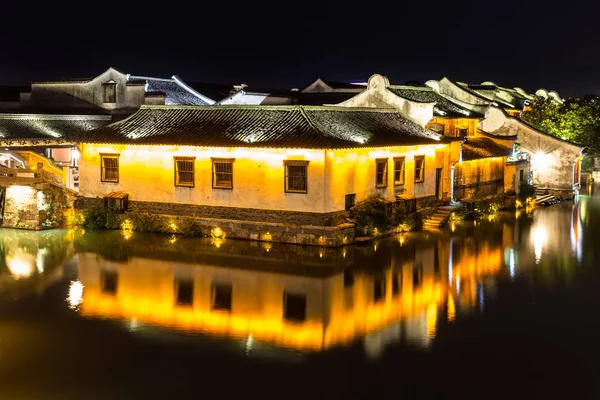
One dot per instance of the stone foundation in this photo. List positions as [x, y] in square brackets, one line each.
[233, 213]
[290, 227]
[36, 207]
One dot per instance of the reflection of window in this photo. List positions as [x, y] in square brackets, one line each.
[437, 273]
[417, 276]
[109, 167]
[396, 283]
[378, 290]
[350, 201]
[222, 173]
[109, 281]
[398, 170]
[184, 171]
[381, 172]
[419, 169]
[184, 292]
[294, 306]
[110, 92]
[296, 174]
[221, 296]
[348, 278]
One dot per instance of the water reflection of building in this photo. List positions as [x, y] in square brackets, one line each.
[30, 260]
[411, 285]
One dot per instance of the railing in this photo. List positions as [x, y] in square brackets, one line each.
[26, 176]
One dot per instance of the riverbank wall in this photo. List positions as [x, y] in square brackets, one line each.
[286, 231]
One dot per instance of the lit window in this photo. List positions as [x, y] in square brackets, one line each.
[399, 171]
[221, 296]
[296, 176]
[184, 171]
[222, 173]
[419, 168]
[184, 292]
[294, 307]
[381, 172]
[110, 92]
[110, 167]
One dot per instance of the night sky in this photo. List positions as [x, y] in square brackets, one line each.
[286, 44]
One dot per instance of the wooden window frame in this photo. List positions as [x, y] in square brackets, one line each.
[384, 184]
[422, 179]
[176, 181]
[214, 172]
[105, 86]
[398, 182]
[103, 168]
[295, 163]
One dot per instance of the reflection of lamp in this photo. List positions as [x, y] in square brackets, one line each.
[75, 295]
[539, 237]
[20, 263]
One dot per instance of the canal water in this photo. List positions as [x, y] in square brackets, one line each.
[505, 307]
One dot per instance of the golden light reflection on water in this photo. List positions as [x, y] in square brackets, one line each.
[292, 310]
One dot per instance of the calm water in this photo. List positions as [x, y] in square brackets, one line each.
[507, 307]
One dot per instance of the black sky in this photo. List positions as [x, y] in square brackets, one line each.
[286, 44]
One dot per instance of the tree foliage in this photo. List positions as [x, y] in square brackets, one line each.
[577, 120]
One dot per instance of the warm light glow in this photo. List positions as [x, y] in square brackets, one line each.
[127, 225]
[266, 237]
[19, 195]
[217, 233]
[75, 295]
[540, 160]
[217, 242]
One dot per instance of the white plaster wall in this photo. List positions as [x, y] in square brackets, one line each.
[146, 173]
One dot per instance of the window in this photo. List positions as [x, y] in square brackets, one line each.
[437, 128]
[222, 173]
[184, 171]
[296, 174]
[419, 169]
[184, 292]
[221, 296]
[381, 172]
[350, 201]
[460, 132]
[521, 175]
[110, 92]
[294, 306]
[399, 171]
[109, 281]
[109, 167]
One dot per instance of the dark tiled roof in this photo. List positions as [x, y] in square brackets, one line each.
[482, 147]
[175, 93]
[483, 87]
[214, 91]
[43, 126]
[261, 126]
[428, 95]
[343, 85]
